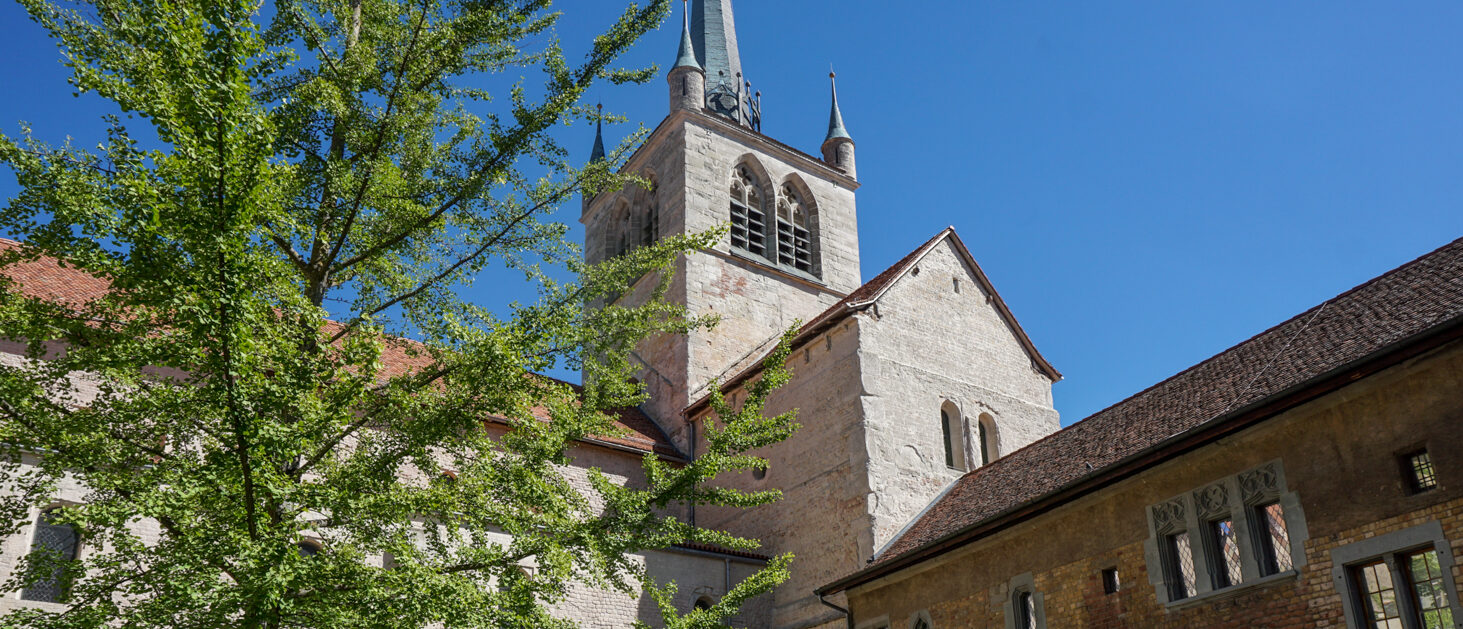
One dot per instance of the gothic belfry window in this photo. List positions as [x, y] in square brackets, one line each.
[794, 239]
[748, 218]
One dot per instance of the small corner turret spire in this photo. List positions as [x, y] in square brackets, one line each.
[835, 117]
[686, 56]
[838, 146]
[598, 154]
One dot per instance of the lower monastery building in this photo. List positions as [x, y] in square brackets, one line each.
[1308, 477]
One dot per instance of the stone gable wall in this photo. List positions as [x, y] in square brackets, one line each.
[934, 338]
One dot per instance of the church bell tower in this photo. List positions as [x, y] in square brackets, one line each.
[792, 250]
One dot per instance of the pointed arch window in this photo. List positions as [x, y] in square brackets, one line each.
[748, 217]
[794, 238]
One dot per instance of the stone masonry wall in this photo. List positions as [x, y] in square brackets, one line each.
[1339, 454]
[937, 338]
[822, 515]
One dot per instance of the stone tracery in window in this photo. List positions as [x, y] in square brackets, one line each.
[748, 218]
[794, 238]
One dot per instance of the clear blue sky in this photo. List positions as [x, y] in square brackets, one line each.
[1147, 183]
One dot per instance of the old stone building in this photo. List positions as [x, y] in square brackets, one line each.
[1283, 482]
[1307, 477]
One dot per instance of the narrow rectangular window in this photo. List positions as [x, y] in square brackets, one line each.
[945, 428]
[1181, 566]
[1378, 595]
[1418, 468]
[1274, 539]
[1025, 611]
[1225, 549]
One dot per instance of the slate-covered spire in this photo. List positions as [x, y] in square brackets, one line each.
[835, 117]
[838, 146]
[686, 57]
[599, 137]
[714, 35]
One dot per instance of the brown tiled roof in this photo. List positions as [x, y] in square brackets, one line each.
[48, 279]
[708, 548]
[1416, 300]
[864, 296]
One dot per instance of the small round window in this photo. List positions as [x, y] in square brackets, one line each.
[760, 472]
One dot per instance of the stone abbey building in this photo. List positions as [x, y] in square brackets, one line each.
[1308, 477]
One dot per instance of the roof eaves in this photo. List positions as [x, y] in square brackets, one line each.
[1168, 449]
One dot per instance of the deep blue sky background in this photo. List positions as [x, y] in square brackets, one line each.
[1147, 183]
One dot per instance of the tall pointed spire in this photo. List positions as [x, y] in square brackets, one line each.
[835, 117]
[598, 153]
[714, 35]
[686, 57]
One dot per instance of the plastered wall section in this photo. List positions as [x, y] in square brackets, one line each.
[1339, 455]
[822, 518]
[935, 338]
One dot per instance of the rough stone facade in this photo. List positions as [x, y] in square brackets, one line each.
[1340, 457]
[869, 455]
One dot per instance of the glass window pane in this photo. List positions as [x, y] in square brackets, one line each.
[52, 542]
[1275, 539]
[1181, 566]
[1427, 583]
[1374, 581]
[1226, 547]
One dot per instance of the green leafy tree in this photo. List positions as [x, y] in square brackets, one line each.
[326, 175]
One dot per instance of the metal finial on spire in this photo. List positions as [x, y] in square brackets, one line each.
[686, 57]
[835, 117]
[598, 154]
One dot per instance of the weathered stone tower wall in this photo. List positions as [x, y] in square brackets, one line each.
[691, 157]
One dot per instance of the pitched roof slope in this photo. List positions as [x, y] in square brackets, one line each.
[864, 296]
[1413, 299]
[48, 279]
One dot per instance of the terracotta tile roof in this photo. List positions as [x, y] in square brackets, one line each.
[48, 279]
[1421, 297]
[708, 548]
[863, 296]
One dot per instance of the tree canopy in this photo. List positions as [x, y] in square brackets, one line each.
[284, 358]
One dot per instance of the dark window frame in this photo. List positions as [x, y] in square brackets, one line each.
[1418, 477]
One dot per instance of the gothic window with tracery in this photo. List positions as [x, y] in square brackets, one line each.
[794, 240]
[748, 218]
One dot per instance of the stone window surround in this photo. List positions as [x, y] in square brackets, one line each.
[970, 425]
[769, 212]
[1024, 582]
[1426, 535]
[1253, 487]
[922, 614]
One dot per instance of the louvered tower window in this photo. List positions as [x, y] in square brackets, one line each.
[794, 243]
[58, 542]
[748, 219]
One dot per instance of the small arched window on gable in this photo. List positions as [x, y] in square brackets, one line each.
[794, 231]
[748, 217]
[950, 427]
[56, 542]
[986, 435]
